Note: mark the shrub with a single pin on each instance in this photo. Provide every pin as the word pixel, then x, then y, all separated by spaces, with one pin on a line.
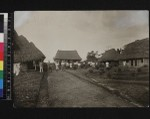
pixel 119 69
pixel 97 67
pixel 75 67
pixel 101 71
pixel 109 75
pixel 120 72
pixel 139 70
pixel 87 66
pixel 133 74
pixel 93 70
pixel 82 66
pixel 90 70
pixel 145 65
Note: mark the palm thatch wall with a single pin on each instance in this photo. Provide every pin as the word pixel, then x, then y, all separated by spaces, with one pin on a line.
pixel 25 51
pixel 135 50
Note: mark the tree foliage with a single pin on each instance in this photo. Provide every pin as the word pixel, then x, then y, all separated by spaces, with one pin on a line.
pixel 91 56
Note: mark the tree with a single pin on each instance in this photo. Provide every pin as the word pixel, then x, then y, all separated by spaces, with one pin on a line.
pixel 91 56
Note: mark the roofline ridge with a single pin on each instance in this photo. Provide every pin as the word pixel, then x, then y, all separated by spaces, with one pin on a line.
pixel 67 50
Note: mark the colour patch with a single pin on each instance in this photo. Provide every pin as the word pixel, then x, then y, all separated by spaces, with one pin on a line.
pixel 1 37
pixel 1 66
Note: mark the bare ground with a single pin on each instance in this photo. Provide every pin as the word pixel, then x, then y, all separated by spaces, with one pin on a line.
pixel 66 90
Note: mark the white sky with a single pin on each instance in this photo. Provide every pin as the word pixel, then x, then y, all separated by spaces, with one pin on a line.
pixel 81 30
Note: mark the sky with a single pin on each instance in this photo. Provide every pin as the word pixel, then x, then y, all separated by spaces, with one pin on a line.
pixel 83 31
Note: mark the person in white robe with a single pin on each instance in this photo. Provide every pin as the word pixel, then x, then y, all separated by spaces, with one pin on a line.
pixel 41 66
pixel 16 68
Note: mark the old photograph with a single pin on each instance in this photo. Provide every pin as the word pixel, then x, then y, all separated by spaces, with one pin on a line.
pixel 81 59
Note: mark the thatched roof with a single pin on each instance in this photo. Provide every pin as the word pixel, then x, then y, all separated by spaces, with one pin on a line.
pixel 25 51
pixel 39 54
pixel 67 55
pixel 109 55
pixel 16 47
pixel 136 49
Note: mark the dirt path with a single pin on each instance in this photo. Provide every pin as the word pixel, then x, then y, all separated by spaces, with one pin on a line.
pixel 42 100
pixel 135 91
pixel 66 90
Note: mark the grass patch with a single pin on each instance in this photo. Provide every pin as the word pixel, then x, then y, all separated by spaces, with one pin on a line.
pixel 137 90
pixel 26 88
pixel 138 93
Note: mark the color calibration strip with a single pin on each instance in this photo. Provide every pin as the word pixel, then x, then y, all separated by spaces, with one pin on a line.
pixel 1 55
pixel 8 35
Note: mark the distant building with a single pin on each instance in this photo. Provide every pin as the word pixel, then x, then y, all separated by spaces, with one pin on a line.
pixel 67 56
pixel 110 58
pixel 136 53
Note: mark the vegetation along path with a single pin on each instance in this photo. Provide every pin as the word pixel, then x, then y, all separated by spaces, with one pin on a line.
pixel 42 100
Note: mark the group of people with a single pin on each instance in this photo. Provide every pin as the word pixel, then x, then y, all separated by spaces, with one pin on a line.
pixel 58 65
pixel 92 64
pixel 63 65
pixel 40 65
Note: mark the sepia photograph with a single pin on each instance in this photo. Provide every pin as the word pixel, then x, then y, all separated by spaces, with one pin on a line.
pixel 81 59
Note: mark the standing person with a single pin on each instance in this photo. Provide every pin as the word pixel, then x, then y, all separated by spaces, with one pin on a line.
pixel 57 66
pixel 107 65
pixel 92 64
pixel 62 65
pixel 41 66
pixel 49 66
pixel 67 65
pixel 124 63
pixel 16 68
pixel 79 64
pixel 70 65
pixel 34 64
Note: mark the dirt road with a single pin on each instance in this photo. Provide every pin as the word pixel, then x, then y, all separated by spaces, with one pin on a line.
pixel 66 90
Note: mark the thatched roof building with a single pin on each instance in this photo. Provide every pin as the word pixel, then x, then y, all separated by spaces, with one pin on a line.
pixel 67 55
pixel 136 50
pixel 25 51
pixel 39 54
pixel 109 55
